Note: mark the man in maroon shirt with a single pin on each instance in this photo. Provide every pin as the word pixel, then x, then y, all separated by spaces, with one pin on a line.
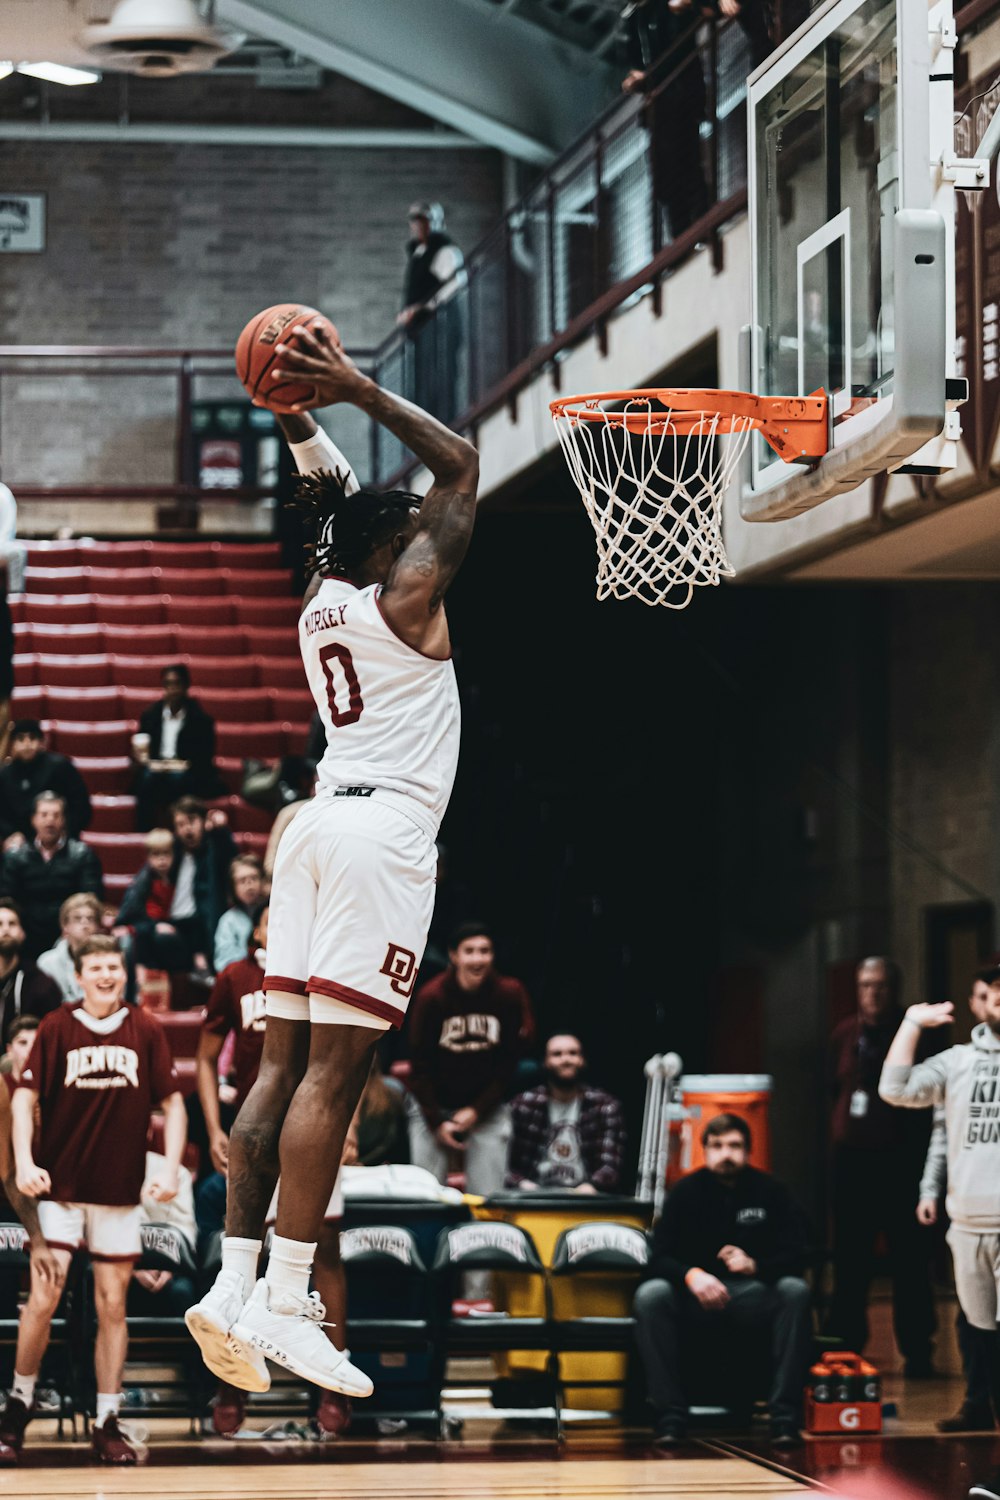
pixel 236 1008
pixel 464 1046
pixel 878 1156
pixel 96 1072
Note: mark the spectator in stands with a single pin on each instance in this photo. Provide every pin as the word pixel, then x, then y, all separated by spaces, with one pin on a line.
pixel 664 32
pixel 432 313
pixel 48 870
pixel 976 1411
pixel 963 1079
pixel 465 1037
pixel 565 1133
pixel 33 769
pixel 24 990
pixel 878 1156
pixel 90 1169
pixel 234 928
pixel 380 1123
pixel 79 919
pixel 20 1040
pixel 179 756
pixel 728 1251
pixel 203 851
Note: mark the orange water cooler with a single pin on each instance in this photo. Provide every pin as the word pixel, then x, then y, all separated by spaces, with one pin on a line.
pixel 705 1095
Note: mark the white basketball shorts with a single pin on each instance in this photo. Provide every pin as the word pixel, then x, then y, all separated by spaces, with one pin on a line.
pixel 334 1209
pixel 108 1232
pixel 351 902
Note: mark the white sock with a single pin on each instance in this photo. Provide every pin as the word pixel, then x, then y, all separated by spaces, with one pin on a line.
pixel 24 1387
pixel 107 1406
pixel 241 1256
pixel 289 1265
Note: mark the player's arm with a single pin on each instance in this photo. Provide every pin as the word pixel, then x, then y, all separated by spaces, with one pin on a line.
pixel 207 1071
pixel 313 449
pixel 43 1259
pixel 32 1181
pixel 413 596
pixel 163 1186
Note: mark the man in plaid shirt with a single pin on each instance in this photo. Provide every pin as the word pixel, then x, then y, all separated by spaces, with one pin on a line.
pixel 567 1136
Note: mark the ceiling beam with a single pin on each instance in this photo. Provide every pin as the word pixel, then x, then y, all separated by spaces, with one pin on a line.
pixel 330 137
pixel 496 78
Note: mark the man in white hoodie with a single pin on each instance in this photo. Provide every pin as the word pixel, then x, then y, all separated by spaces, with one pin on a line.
pixel 966 1081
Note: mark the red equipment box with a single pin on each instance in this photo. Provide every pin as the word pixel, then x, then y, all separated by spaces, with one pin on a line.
pixel 844 1394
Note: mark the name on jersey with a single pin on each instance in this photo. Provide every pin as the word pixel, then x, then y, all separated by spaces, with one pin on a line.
pixel 325 619
pixel 120 1062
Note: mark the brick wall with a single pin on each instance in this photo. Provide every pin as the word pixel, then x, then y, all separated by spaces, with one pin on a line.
pixel 179 245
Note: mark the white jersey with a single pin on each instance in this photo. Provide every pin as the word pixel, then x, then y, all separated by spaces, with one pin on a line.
pixel 392 715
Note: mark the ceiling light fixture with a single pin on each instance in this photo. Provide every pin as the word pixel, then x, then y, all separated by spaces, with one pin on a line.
pixel 57 73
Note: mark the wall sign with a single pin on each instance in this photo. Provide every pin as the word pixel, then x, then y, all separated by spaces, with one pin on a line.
pixel 22 222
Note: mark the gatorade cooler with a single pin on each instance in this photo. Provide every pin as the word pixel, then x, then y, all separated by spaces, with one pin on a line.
pixel 844 1394
pixel 704 1095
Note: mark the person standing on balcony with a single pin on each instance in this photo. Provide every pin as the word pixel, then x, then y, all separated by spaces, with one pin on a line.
pixel 432 313
pixel 663 61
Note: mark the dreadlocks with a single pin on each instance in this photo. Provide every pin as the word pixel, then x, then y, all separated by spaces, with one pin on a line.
pixel 346 529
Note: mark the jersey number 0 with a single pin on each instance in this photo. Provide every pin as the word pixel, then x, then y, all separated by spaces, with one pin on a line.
pixel 343 690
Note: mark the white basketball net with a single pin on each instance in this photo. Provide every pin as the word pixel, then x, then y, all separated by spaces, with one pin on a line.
pixel 653 495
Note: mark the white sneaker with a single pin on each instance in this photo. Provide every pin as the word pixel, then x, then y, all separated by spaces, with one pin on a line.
pixel 289 1330
pixel 210 1324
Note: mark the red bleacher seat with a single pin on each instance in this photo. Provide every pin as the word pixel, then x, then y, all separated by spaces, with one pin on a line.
pixel 130 609
pixel 25 666
pixel 269 641
pixel 281 671
pixel 73 671
pixel 92 704
pixel 141 672
pixel 290 703
pixel 108 775
pixel 230 769
pixel 110 738
pixel 296 737
pixel 115 886
pixel 131 581
pixel 135 699
pixel 243 816
pixel 271 612
pixel 43 609
pixel 119 555
pixel 251 843
pixel 265 741
pixel 112 814
pixel 182 555
pixel 182 1028
pixel 56 581
pixel 53 555
pixel 221 672
pixel 199 612
pixel 59 640
pixel 260 583
pixel 129 640
pixel 28 702
pixel 247 554
pixel 119 853
pixel 204 582
pixel 192 639
pixel 234 705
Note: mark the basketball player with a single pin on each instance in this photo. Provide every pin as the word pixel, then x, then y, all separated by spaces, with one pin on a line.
pixel 96 1072
pixel 353 888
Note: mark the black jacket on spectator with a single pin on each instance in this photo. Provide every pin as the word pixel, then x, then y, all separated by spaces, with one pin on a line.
pixel 211 883
pixel 754 1212
pixel 21 782
pixel 40 886
pixel 26 991
pixel 195 743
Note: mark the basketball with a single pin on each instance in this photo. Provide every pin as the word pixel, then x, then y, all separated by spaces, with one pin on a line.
pixel 256 354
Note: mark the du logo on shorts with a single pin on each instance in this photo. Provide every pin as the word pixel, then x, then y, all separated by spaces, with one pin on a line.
pixel 401 966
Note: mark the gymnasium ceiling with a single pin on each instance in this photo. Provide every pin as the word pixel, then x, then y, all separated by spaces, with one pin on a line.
pixel 524 77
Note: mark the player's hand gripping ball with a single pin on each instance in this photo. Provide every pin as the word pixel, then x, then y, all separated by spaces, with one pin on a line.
pixel 256 353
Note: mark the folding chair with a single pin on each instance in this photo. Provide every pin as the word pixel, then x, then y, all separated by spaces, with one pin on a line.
pixel 595 1266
